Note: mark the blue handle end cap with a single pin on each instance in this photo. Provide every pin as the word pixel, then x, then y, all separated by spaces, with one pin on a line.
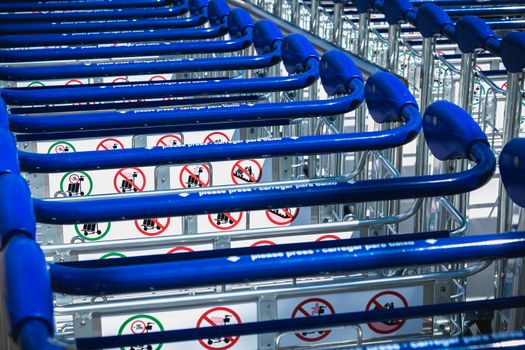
pixel 296 51
pixel 431 19
pixel 396 10
pixel 512 51
pixel 238 21
pixel 386 96
pixel 472 33
pixel 265 34
pixel 217 11
pixel 336 71
pixel 196 7
pixel 364 6
pixel 512 170
pixel 450 132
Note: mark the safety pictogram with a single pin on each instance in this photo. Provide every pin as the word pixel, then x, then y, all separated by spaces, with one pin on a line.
pixel 219 316
pixel 74 82
pixel 225 221
pixel 169 140
pixel 388 299
pixel 216 137
pixel 246 171
pixel 328 238
pixel 141 324
pixel 108 144
pixel 181 249
pixel 282 216
pixel 313 307
pixel 77 183
pixel 93 231
pixel 129 180
pixel 112 255
pixel 61 147
pixel 36 83
pixel 153 226
pixel 263 242
pixel 195 176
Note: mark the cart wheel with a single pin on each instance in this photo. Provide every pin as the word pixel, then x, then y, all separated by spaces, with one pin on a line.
pixel 99 232
pixel 81 193
pixel 145 227
pixel 226 340
pixel 134 190
pixel 158 227
pixel 210 342
pixel 70 194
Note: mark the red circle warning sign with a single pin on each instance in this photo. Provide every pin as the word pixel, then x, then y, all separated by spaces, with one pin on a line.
pixel 120 80
pixel 328 238
pixel 181 249
pixel 129 180
pixel 225 221
pixel 153 226
pixel 216 137
pixel 169 140
pixel 219 316
pixel 157 78
pixel 110 143
pixel 74 179
pixel 388 299
pixel 74 82
pixel 313 307
pixel 195 176
pixel 263 242
pixel 246 171
pixel 282 216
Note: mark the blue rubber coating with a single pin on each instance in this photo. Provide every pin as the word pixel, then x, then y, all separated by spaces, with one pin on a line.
pixel 472 33
pixel 238 22
pixel 395 11
pixel 34 335
pixel 363 6
pixel 217 11
pixel 431 19
pixel 8 159
pixel 265 35
pixel 296 52
pixel 512 170
pixel 197 6
pixel 28 293
pixel 512 51
pixel 15 196
pixel 386 97
pixel 450 131
pixel 337 70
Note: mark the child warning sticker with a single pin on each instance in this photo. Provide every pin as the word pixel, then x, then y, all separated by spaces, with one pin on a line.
pixel 93 231
pixel 198 175
pixel 388 299
pixel 76 183
pixel 109 144
pixel 246 171
pixel 282 216
pixel 225 221
pixel 141 324
pixel 219 316
pixel 129 180
pixel 313 307
pixel 216 137
pixel 152 226
pixel 169 140
pixel 61 147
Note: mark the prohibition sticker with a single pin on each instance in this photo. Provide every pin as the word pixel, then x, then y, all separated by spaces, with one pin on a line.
pixel 169 140
pixel 282 216
pixel 112 255
pixel 388 299
pixel 218 316
pixel 141 324
pixel 153 226
pixel 225 221
pixel 92 231
pixel 109 144
pixel 328 238
pixel 181 249
pixel 262 242
pixel 216 137
pixel 313 307
pixel 246 171
pixel 77 183
pixel 195 176
pixel 157 78
pixel 35 83
pixel 129 180
pixel 61 147
pixel 74 82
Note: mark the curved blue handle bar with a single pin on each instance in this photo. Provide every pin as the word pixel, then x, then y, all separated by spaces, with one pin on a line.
pixel 512 169
pixel 147 49
pixel 118 24
pixel 76 5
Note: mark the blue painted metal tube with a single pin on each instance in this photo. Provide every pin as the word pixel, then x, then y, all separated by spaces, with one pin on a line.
pixel 169 204
pixel 76 5
pixel 136 276
pixel 492 11
pixel 465 2
pixel 314 323
pixel 511 24
pixel 117 24
pixel 146 49
pixel 34 335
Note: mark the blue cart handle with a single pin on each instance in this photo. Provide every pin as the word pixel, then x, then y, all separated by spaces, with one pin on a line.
pixel 20 6
pixel 299 57
pixel 217 29
pixel 512 170
pixel 451 134
pixel 267 39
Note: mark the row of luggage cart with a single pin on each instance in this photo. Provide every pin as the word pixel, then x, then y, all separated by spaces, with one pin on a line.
pixel 229 175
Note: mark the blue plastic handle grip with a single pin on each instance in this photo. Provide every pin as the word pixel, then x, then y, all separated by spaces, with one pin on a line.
pixel 431 19
pixel 512 50
pixel 512 169
pixel 76 5
pixel 472 33
pixel 396 10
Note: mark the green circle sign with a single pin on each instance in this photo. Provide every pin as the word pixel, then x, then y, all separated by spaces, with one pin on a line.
pixel 36 83
pixel 112 255
pixel 140 324
pixel 71 184
pixel 92 229
pixel 61 147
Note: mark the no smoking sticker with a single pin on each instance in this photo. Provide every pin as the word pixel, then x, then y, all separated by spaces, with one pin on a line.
pixel 219 316
pixel 225 221
pixel 93 231
pixel 61 147
pixel 313 307
pixel 153 226
pixel 246 171
pixel 141 324
pixel 77 183
pixel 195 176
pixel 129 180
pixel 282 216
pixel 170 140
pixel 109 144
pixel 216 137
pixel 386 300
